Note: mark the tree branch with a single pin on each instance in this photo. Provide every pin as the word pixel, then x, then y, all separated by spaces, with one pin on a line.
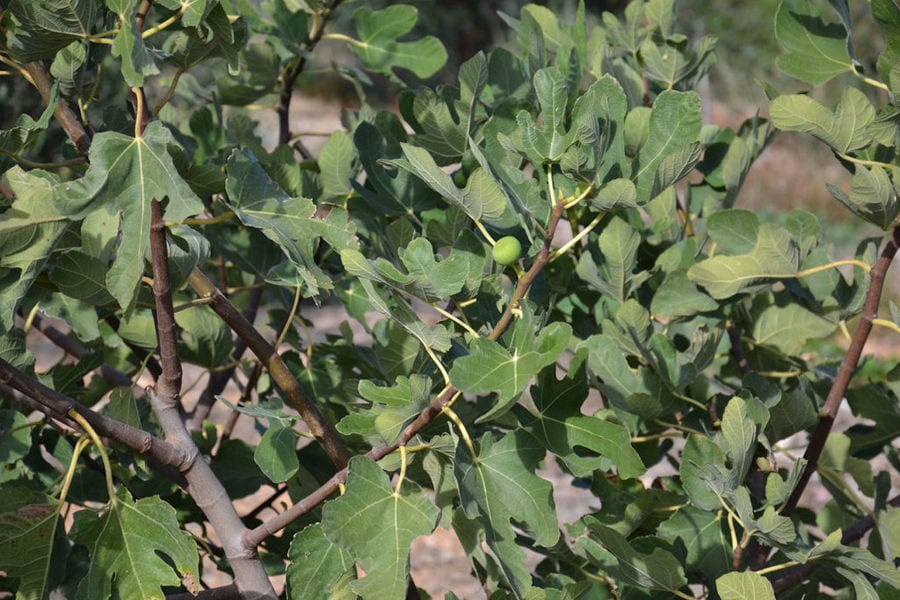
pixel 323 430
pixel 797 575
pixel 290 74
pixel 64 115
pixel 203 485
pixel 282 520
pixel 76 349
pixel 846 370
pixel 57 406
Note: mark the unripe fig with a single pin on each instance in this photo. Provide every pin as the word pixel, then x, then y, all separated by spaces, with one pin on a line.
pixel 507 250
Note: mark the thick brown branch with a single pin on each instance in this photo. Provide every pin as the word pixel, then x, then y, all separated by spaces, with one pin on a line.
pixel 282 520
pixel 205 488
pixel 56 405
pixel 323 430
pixel 846 370
pixel 64 115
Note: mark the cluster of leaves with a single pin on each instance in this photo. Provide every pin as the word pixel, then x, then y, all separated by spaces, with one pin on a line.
pixel 667 328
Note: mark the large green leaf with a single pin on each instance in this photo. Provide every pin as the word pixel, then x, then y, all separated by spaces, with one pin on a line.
pixel 336 167
pixel 789 327
pixel 379 50
pixel 481 199
pixel 499 485
pixel 708 550
pixel 276 452
pixel 316 564
pixel 29 232
pixel 28 522
pixel 560 426
pixel 613 274
pixel 492 368
pixel 774 256
pixel 444 120
pixel 41 29
pixel 675 120
pixel 425 277
pixel 744 585
pixel 549 139
pixel 816 51
pixel 376 526
pixel 137 59
pixel 126 173
pixel 872 196
pixel 845 130
pixel 126 543
pixel 290 222
pixel 16 139
pixel 392 408
pixel 656 570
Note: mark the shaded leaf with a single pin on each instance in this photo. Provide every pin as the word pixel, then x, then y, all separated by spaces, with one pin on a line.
pixel 29 232
pixel 123 542
pixel 290 222
pixel 816 51
pixel 316 564
pixel 276 452
pixel 658 570
pixel 570 435
pixel 28 522
pixel 872 197
pixel 41 29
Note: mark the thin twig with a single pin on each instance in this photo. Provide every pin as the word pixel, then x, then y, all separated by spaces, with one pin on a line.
pixel 290 74
pixel 854 532
pixel 73 127
pixel 57 406
pixel 76 349
pixel 846 370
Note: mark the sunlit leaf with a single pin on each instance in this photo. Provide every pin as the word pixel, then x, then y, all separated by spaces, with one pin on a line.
pixel 125 174
pixel 774 256
pixel 379 50
pixel 744 585
pixel 492 368
pixel 499 485
pixel 376 526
